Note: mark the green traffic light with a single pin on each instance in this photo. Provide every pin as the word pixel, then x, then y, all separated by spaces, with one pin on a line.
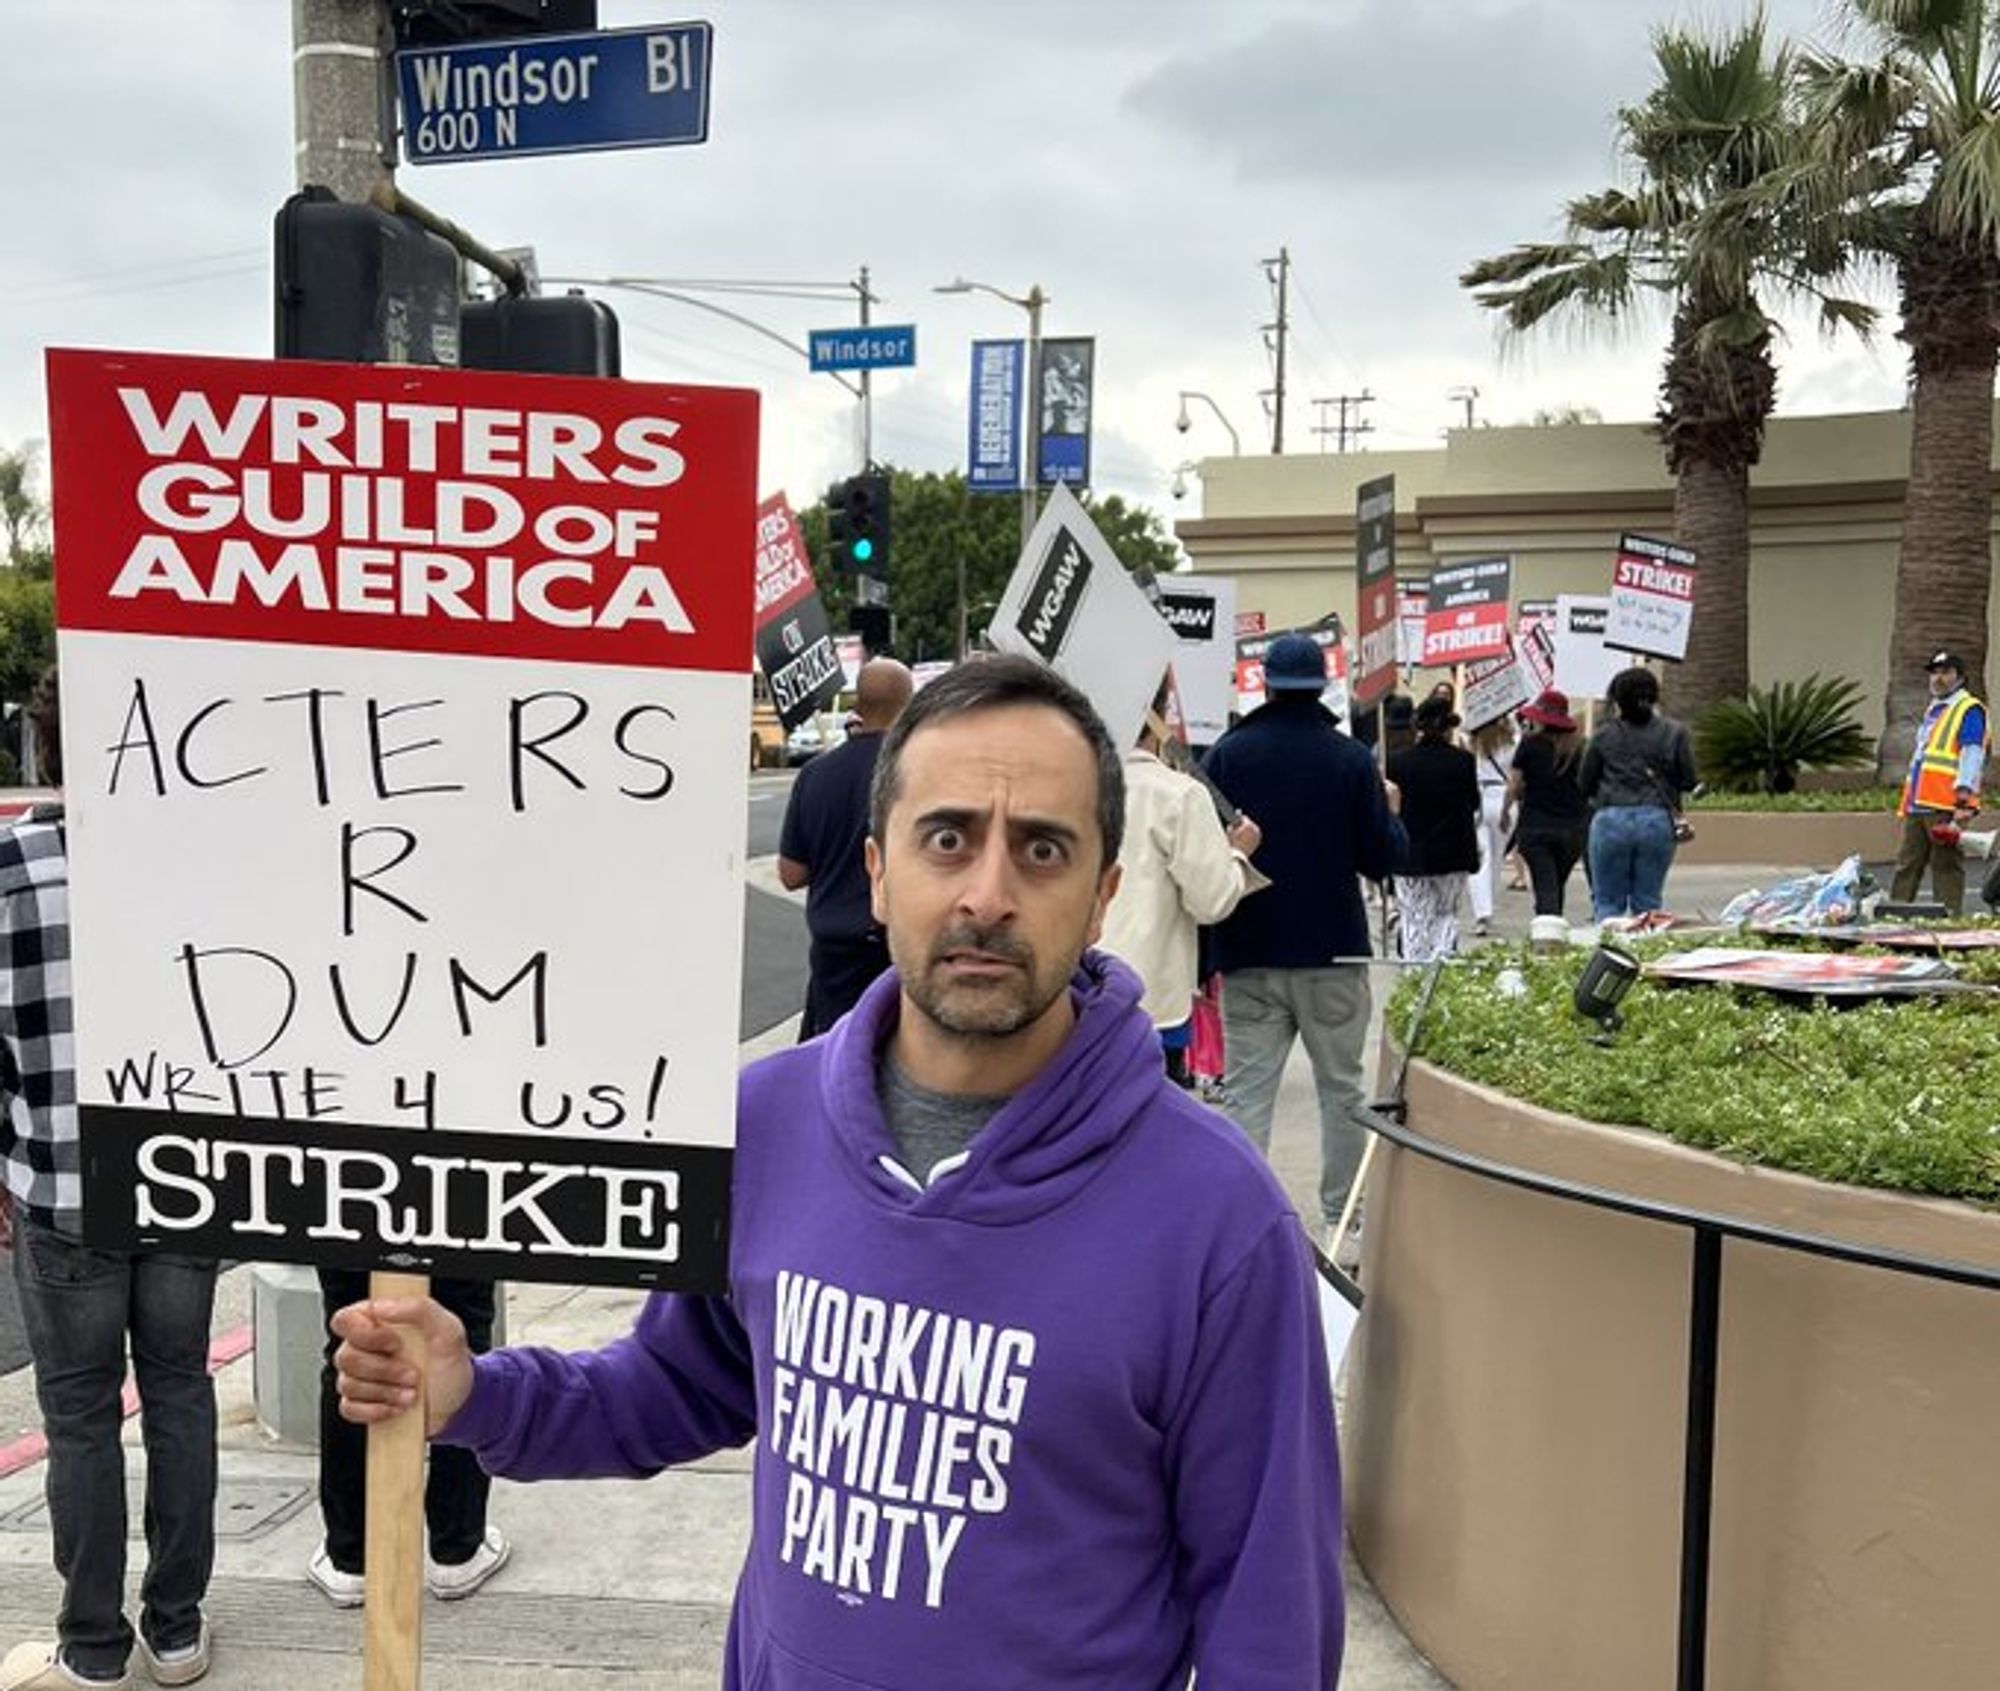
pixel 862 550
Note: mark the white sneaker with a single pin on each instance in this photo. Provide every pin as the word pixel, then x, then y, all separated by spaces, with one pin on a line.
pixel 450 1581
pixel 40 1667
pixel 343 1590
pixel 178 1667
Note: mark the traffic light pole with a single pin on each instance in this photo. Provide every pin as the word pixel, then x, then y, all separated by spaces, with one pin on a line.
pixel 338 95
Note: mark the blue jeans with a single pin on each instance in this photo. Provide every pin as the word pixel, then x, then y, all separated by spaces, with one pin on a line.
pixel 1263 1010
pixel 1631 848
pixel 79 1305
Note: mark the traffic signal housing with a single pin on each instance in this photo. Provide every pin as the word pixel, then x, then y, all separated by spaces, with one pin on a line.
pixel 556 336
pixel 357 285
pixel 857 523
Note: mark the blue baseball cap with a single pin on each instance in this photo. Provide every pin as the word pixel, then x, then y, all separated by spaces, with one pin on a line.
pixel 1295 664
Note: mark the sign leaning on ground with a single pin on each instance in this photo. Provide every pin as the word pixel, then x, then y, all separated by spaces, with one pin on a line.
pixel 1652 597
pixel 1072 604
pixel 405 710
pixel 795 646
pixel 528 95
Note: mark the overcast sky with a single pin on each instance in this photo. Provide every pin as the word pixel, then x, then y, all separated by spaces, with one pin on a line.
pixel 1135 158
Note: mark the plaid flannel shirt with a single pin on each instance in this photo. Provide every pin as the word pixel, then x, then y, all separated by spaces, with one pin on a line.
pixel 38 1124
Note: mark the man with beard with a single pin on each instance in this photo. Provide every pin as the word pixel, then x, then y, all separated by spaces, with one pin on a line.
pixel 1026 1337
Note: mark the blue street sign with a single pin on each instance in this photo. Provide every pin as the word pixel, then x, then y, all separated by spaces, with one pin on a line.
pixel 883 346
pixel 556 94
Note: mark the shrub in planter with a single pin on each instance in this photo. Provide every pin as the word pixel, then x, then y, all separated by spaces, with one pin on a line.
pixel 1760 742
pixel 1903 1094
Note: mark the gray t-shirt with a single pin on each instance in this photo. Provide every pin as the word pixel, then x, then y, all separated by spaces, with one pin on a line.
pixel 928 1126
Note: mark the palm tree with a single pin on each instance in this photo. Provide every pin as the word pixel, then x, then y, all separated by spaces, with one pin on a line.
pixel 1719 210
pixel 1926 110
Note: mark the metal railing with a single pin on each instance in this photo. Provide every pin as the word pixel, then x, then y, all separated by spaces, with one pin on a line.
pixel 1709 1231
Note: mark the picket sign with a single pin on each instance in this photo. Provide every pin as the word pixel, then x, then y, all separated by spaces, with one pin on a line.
pixel 361 652
pixel 1073 605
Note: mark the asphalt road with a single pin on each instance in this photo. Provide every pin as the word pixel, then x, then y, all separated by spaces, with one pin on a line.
pixel 774 987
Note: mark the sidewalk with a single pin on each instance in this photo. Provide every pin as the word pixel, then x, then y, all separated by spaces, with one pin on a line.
pixel 612 1583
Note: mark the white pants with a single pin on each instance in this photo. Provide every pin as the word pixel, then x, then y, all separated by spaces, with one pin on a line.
pixel 1492 848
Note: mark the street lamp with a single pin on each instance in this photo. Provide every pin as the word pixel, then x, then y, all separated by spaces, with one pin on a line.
pixel 1031 302
pixel 1184 422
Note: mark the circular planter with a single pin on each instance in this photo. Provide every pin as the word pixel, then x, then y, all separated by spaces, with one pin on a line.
pixel 1515 1417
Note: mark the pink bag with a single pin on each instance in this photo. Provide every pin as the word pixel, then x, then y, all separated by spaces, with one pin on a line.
pixel 1205 1045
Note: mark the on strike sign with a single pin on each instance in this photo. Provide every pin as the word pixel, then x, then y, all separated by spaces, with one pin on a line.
pixel 794 644
pixel 1466 613
pixel 1652 597
pixel 405 711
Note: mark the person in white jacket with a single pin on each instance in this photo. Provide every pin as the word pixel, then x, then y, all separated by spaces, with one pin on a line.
pixel 1183 868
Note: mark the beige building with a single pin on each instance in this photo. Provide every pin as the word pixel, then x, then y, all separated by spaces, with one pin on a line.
pixel 1826 506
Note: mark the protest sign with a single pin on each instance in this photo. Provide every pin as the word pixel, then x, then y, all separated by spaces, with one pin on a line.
pixel 1327 634
pixel 1375 587
pixel 1531 613
pixel 1584 664
pixel 1652 597
pixel 1201 610
pixel 1072 604
pixel 1412 606
pixel 1493 688
pixel 795 646
pixel 405 711
pixel 1250 692
pixel 1465 615
pixel 1249 623
pixel 1535 646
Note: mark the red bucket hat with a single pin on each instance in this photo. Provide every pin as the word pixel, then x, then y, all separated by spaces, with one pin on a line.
pixel 1551 710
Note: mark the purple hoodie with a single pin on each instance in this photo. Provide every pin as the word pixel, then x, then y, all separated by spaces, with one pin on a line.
pixel 1060 1420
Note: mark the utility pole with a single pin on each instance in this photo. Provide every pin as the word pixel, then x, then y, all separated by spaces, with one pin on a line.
pixel 1348 404
pixel 1468 397
pixel 339 133
pixel 1322 428
pixel 1277 271
pixel 341 127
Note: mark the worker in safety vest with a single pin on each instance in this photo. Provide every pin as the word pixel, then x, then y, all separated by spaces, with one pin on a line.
pixel 1941 791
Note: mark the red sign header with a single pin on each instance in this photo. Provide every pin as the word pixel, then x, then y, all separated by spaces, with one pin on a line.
pixel 404 508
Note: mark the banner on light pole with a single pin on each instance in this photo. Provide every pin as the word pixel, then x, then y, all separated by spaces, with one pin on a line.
pixel 1066 374
pixel 993 432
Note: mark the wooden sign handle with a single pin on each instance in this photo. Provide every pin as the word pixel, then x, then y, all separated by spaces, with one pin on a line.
pixel 393 1622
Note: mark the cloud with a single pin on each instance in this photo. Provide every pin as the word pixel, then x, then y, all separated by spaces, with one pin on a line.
pixel 1401 96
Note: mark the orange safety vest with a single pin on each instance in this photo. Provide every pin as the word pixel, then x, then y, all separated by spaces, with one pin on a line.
pixel 1932 782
